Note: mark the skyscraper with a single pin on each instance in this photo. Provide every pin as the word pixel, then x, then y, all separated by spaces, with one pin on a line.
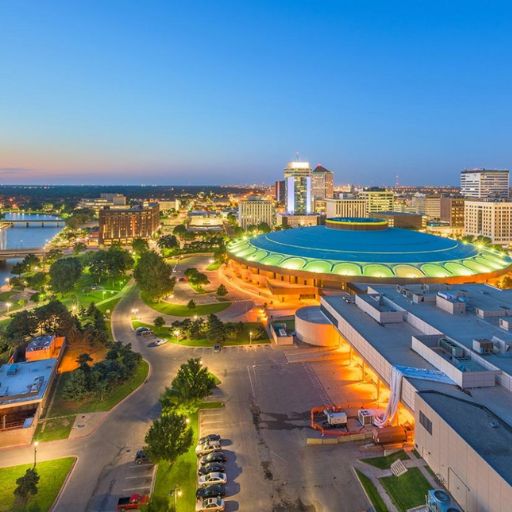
pixel 299 199
pixel 323 183
pixel 279 191
pixel 484 183
pixel 379 199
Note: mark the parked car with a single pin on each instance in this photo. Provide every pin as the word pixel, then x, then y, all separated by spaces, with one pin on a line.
pixel 212 478
pixel 213 457
pixel 203 449
pixel 209 438
pixel 210 504
pixel 143 331
pixel 133 502
pixel 217 347
pixel 211 491
pixel 159 341
pixel 214 467
pixel 141 457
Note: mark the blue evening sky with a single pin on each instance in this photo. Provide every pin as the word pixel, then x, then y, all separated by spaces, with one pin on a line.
pixel 204 92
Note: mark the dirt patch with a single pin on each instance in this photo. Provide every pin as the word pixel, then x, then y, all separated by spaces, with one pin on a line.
pixel 297 506
pixel 73 350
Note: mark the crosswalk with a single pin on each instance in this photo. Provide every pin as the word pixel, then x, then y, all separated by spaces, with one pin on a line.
pixel 233 348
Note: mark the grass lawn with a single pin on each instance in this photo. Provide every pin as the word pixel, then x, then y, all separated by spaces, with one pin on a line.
pixel 183 474
pixel 182 309
pixel 406 491
pixel 386 461
pixel 214 266
pixel 52 476
pixel 168 334
pixel 63 407
pixel 54 428
pixel 371 491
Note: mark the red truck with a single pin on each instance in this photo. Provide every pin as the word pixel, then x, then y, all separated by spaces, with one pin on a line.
pixel 133 502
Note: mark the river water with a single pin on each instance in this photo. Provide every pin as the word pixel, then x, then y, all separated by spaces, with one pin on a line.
pixel 18 237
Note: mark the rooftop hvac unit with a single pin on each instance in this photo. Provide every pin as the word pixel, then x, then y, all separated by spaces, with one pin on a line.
pixel 451 348
pixel 439 500
pixel 483 346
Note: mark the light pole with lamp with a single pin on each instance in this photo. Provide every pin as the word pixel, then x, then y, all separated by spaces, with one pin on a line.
pixel 36 444
pixel 250 338
pixel 8 306
pixel 177 334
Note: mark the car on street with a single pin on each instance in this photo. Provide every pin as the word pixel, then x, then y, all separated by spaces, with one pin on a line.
pixel 159 341
pixel 143 331
pixel 203 449
pixel 209 438
pixel 141 457
pixel 214 467
pixel 213 457
pixel 210 504
pixel 217 347
pixel 212 478
pixel 133 502
pixel 211 491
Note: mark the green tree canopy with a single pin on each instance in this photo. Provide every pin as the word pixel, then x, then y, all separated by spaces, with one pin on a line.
pixel 159 321
pixel 64 274
pixel 153 275
pixel 167 242
pixel 140 246
pixel 26 486
pixel 168 438
pixel 222 291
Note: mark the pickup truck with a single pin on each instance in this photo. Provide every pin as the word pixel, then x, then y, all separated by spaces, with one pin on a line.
pixel 133 502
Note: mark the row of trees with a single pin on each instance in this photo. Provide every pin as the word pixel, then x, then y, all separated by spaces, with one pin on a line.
pixel 119 365
pixel 54 317
pixel 170 435
pixel 213 329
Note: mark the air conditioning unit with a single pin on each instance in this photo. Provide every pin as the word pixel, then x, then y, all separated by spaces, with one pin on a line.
pixel 365 416
pixel 438 500
pixel 483 346
pixel 451 348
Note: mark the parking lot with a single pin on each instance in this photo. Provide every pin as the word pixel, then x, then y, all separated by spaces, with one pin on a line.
pixel 265 424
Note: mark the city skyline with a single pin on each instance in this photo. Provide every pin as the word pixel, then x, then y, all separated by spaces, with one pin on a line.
pixel 172 94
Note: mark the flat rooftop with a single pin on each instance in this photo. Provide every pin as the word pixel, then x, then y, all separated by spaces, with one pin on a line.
pixel 25 382
pixel 466 327
pixel 312 314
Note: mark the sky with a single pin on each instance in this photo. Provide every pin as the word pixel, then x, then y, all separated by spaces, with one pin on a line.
pixel 221 92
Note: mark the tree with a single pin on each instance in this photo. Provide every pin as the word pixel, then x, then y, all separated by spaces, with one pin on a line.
pixel 64 274
pixel 153 275
pixel 192 382
pixel 53 255
pixel 191 304
pixel 110 264
pixel 180 230
pixel 79 247
pixel 159 321
pixel 167 242
pixel 222 291
pixel 168 438
pixel 22 325
pixel 26 485
pixel 140 246
pixel 37 280
pixel 263 227
pixel 215 329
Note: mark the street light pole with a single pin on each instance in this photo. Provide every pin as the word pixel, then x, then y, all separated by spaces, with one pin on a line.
pixel 36 444
pixel 250 338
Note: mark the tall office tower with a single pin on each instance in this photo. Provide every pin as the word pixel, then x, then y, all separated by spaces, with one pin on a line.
pixel 492 219
pixel 279 191
pixel 452 211
pixel 323 183
pixel 299 199
pixel 254 210
pixel 484 183
pixel 378 199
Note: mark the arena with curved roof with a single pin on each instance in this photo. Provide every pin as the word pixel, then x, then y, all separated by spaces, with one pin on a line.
pixel 347 249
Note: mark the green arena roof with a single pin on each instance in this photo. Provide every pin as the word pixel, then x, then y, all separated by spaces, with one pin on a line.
pixel 386 253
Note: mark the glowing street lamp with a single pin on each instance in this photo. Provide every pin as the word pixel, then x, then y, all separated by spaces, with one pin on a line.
pixel 8 306
pixel 177 333
pixel 135 311
pixel 250 337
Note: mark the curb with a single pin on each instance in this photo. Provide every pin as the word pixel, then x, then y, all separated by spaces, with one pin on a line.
pixel 63 486
pixel 372 508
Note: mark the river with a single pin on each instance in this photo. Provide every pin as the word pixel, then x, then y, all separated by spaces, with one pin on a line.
pixel 17 237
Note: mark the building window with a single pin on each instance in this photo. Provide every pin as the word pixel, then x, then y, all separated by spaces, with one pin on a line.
pixel 426 423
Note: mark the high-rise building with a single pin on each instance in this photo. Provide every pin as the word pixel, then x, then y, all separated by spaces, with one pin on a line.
pixel 492 219
pixel 323 183
pixel 299 198
pixel 280 191
pixel 128 224
pixel 452 211
pixel 378 199
pixel 484 183
pixel 346 207
pixel 254 210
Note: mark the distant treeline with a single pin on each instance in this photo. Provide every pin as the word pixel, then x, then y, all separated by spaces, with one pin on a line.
pixel 32 196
